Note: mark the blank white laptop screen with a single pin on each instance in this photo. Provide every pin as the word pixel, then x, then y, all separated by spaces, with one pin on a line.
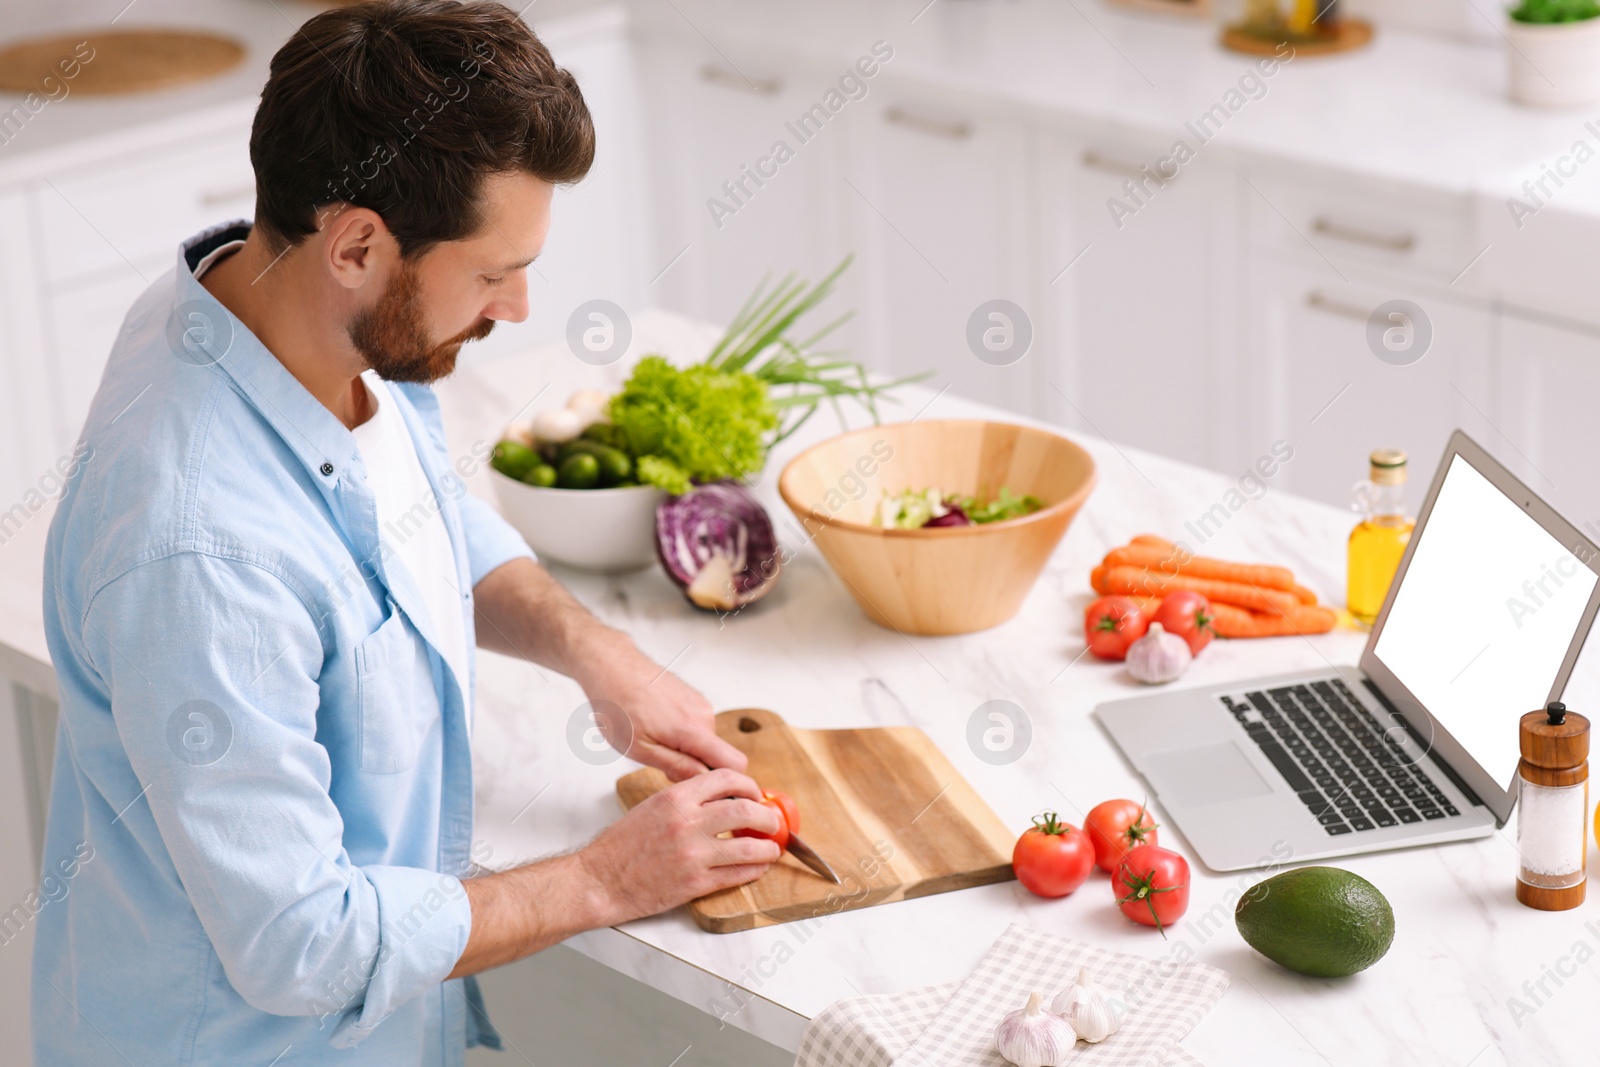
pixel 1484 617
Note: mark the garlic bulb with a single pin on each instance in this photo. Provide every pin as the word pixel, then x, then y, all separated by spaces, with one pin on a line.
pixel 1093 1013
pixel 557 426
pixel 1158 657
pixel 1033 1037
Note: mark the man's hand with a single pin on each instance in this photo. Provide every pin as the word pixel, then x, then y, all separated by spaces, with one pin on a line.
pixel 664 723
pixel 663 853
pixel 524 612
pixel 666 851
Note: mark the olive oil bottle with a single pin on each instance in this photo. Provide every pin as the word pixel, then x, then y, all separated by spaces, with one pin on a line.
pixel 1380 539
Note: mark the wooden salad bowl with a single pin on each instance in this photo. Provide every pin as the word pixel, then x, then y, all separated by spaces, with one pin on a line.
pixel 950 580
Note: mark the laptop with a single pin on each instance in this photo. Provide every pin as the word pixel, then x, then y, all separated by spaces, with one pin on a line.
pixel 1418 745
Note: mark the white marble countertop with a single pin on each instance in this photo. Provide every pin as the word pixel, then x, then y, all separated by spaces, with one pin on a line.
pixel 1463 945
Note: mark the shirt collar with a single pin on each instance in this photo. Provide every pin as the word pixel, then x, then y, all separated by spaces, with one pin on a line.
pixel 210 335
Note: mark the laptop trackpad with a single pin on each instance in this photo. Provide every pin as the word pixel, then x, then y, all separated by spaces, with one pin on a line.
pixel 1205 774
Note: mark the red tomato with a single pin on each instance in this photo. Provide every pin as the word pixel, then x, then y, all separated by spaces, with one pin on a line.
pixel 1115 827
pixel 1187 614
pixel 1152 886
pixel 1111 624
pixel 788 818
pixel 1052 858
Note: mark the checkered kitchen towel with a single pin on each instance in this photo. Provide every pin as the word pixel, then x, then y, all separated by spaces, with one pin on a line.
pixel 945 1025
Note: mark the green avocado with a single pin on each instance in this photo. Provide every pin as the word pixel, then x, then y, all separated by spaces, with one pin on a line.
pixel 1320 921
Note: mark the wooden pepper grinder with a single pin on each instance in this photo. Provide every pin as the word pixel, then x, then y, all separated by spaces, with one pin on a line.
pixel 1553 808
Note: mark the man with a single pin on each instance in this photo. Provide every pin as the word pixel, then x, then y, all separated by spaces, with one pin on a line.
pixel 262 798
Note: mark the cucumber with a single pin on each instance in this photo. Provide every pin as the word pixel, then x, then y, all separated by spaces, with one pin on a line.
pixel 578 471
pixel 614 464
pixel 542 475
pixel 513 459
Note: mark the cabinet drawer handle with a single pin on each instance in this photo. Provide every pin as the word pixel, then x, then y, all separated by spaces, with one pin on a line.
pixel 729 78
pixel 950 129
pixel 213 197
pixel 1111 165
pixel 1389 242
pixel 1319 302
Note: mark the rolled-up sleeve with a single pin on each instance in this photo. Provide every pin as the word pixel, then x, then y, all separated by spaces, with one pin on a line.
pixel 212 666
pixel 491 540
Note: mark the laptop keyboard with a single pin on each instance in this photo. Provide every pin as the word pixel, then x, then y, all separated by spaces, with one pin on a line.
pixel 1333 752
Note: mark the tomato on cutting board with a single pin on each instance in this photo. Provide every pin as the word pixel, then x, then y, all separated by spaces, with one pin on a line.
pixel 788 818
pixel 1116 826
pixel 1111 624
pixel 1052 858
pixel 1187 614
pixel 1152 886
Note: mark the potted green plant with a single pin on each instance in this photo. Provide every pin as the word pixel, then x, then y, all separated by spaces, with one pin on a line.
pixel 1554 52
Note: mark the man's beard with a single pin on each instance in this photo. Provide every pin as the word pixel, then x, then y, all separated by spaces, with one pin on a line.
pixel 390 335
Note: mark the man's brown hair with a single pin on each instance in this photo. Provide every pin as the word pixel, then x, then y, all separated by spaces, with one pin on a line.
pixel 404 107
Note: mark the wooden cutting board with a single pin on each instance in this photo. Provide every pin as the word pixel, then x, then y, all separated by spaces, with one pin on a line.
pixel 882 805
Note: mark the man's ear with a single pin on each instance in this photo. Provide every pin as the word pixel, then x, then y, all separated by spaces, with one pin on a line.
pixel 357 247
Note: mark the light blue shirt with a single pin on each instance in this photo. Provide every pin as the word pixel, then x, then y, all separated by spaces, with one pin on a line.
pixel 262 793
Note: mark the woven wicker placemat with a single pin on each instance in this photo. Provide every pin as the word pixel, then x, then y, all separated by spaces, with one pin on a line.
pixel 115 61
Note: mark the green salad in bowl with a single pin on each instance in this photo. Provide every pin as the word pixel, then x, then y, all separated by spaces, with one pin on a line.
pixel 917 509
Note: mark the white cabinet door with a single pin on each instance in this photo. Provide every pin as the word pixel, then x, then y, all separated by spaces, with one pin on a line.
pixel 1323 388
pixel 27 425
pixel 1141 302
pixel 82 323
pixel 941 197
pixel 1549 382
pixel 739 189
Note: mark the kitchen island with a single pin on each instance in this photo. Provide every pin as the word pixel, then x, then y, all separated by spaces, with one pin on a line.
pixel 1463 947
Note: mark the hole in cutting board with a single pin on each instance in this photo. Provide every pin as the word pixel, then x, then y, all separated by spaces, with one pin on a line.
pixel 747 725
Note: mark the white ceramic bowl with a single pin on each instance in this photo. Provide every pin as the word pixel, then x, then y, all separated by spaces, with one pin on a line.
pixel 593 529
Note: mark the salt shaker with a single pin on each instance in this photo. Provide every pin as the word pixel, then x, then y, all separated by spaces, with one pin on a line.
pixel 1553 808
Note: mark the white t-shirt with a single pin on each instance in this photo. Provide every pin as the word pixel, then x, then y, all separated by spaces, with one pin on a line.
pixel 409 522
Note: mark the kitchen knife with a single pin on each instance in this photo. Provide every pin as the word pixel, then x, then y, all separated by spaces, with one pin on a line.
pixel 808 856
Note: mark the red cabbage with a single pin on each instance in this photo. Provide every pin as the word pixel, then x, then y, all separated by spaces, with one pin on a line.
pixel 717 543
pixel 953 517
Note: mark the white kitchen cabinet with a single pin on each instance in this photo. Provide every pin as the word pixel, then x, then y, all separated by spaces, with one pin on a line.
pixel 127 214
pixel 739 188
pixel 943 198
pixel 27 429
pixel 81 324
pixel 1548 385
pixel 1317 385
pixel 1354 224
pixel 1141 304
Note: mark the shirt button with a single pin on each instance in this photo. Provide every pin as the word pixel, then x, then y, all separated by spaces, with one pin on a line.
pixel 327 469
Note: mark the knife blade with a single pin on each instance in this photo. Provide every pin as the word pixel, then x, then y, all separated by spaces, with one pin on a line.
pixel 808 856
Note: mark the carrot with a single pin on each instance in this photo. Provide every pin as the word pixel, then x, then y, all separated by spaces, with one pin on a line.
pixel 1169 563
pixel 1153 541
pixel 1097 580
pixel 1234 622
pixel 1135 582
pixel 1306 596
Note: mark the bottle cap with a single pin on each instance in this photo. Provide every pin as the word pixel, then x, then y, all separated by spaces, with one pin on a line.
pixel 1388 467
pixel 1554 738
